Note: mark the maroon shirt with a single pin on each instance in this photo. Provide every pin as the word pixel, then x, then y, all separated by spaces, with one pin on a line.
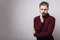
pixel 46 28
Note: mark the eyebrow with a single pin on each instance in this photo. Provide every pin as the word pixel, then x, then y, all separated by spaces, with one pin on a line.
pixel 43 9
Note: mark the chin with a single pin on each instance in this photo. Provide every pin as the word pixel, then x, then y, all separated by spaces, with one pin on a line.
pixel 44 15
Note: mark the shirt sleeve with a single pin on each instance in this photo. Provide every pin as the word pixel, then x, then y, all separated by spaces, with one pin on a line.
pixel 37 25
pixel 49 30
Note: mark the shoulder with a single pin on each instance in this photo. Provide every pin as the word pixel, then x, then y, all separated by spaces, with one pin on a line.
pixel 36 18
pixel 51 18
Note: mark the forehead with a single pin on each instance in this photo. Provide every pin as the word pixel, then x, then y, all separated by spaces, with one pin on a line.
pixel 43 7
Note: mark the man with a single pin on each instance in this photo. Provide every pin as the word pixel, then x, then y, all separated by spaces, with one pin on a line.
pixel 44 23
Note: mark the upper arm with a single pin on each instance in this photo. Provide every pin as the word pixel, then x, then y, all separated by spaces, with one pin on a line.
pixel 51 26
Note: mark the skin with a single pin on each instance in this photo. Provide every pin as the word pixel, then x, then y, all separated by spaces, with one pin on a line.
pixel 43 10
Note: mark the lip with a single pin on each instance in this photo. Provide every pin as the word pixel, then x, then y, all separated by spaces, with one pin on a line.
pixel 44 13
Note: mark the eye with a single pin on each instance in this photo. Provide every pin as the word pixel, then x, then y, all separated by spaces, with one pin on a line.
pixel 41 9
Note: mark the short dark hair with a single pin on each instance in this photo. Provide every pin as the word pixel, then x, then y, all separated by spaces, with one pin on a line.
pixel 44 3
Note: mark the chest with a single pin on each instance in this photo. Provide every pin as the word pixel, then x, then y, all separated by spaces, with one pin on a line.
pixel 45 26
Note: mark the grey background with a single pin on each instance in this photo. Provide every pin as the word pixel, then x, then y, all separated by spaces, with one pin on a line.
pixel 16 18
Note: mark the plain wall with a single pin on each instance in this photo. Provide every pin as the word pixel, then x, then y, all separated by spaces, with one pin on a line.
pixel 16 18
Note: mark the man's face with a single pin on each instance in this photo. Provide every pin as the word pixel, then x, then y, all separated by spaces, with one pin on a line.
pixel 43 10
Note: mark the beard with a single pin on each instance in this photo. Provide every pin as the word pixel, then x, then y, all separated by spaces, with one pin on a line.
pixel 44 15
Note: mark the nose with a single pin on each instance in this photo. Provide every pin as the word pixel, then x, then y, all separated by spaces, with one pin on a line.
pixel 43 10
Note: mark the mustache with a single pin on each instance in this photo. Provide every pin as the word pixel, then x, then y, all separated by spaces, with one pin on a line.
pixel 44 13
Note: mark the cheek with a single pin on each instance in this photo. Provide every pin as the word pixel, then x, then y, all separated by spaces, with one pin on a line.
pixel 46 11
pixel 41 11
